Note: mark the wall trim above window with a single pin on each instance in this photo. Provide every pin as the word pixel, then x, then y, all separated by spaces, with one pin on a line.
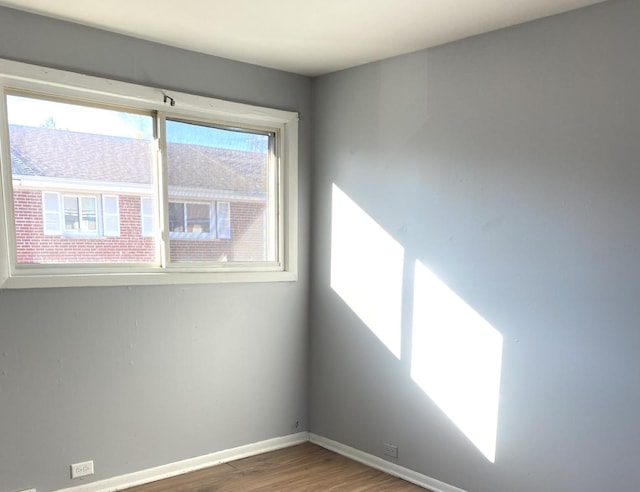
pixel 116 200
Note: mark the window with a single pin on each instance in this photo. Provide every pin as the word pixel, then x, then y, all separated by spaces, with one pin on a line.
pixel 85 164
pixel 210 172
pixel 78 215
pixel 106 183
pixel 190 220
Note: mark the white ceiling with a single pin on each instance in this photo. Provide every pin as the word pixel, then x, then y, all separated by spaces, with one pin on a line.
pixel 300 36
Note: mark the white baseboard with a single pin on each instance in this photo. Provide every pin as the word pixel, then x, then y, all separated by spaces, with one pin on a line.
pixel 384 465
pixel 188 465
pixel 185 466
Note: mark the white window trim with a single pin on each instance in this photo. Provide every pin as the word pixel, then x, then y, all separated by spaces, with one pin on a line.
pixel 26 77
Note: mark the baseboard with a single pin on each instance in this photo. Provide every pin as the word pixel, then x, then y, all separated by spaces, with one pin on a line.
pixel 185 466
pixel 188 465
pixel 383 465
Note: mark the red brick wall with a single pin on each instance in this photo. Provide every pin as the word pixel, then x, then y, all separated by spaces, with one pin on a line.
pixel 246 243
pixel 33 246
pixel 250 235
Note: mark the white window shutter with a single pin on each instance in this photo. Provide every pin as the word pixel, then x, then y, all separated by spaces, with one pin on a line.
pixel 223 222
pixel 51 213
pixel 147 216
pixel 110 215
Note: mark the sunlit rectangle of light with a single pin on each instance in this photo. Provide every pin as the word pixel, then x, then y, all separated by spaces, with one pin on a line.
pixel 366 269
pixel 456 359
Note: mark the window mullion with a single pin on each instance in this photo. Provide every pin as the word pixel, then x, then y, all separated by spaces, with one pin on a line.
pixel 162 192
pixel 185 217
pixel 81 214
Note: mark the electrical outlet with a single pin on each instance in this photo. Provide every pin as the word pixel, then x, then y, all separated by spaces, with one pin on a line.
pixel 82 469
pixel 391 450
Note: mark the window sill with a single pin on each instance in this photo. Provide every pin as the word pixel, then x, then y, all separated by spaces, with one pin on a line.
pixel 78 235
pixel 104 279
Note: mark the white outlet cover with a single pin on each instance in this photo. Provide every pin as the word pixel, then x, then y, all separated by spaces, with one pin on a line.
pixel 82 469
pixel 391 450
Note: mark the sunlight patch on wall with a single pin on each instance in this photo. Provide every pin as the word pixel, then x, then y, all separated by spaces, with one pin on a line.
pixel 366 269
pixel 456 359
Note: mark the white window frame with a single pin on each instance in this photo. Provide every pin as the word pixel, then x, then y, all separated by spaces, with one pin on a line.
pixel 163 104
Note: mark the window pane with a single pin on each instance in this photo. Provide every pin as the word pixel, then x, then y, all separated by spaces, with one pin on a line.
pixel 97 152
pixel 89 212
pixel 176 217
pixel 207 166
pixel 198 217
pixel 71 213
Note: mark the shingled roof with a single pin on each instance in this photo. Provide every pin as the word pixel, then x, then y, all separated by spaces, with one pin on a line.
pixel 213 167
pixel 59 153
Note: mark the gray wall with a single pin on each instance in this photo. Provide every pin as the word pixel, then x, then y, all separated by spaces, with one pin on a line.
pixel 143 376
pixel 508 164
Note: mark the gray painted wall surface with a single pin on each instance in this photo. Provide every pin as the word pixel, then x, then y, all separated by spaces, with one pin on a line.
pixel 509 164
pixel 138 377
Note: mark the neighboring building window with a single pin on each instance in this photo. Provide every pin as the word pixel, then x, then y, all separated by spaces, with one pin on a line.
pixel 190 220
pixel 193 220
pixel 79 215
pixel 206 187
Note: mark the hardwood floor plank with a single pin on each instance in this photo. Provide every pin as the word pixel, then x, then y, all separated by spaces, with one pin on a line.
pixel 303 468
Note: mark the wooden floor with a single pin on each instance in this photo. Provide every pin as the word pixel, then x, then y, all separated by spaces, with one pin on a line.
pixel 301 468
